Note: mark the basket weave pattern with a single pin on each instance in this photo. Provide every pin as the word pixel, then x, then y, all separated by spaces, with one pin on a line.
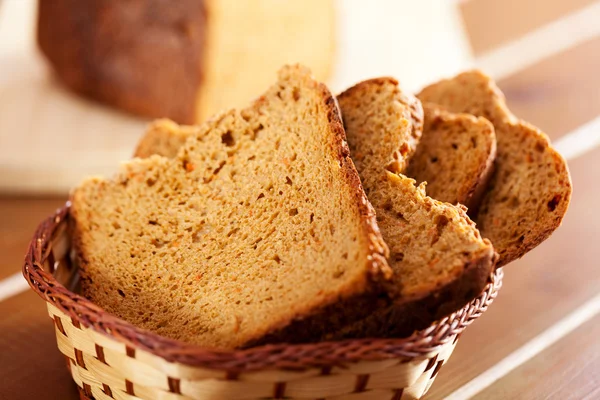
pixel 111 359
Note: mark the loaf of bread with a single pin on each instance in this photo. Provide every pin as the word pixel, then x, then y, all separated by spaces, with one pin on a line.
pixel 530 190
pixel 439 260
pixel 257 230
pixel 182 59
pixel 438 257
pixel 455 156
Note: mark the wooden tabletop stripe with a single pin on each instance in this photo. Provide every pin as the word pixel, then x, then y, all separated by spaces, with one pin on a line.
pixel 542 43
pixel 30 364
pixel 12 285
pixel 491 23
pixel 580 141
pixel 560 93
pixel 529 350
pixel 20 216
pixel 567 370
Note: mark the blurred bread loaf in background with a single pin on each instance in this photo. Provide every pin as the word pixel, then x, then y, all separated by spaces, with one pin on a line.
pixel 182 59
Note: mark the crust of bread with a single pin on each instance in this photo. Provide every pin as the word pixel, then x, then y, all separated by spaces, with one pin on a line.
pixel 401 319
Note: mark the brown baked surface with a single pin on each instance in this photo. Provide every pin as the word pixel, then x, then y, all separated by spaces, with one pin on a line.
pixel 258 227
pixel 530 190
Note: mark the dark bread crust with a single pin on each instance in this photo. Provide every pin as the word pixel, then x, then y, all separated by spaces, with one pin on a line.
pixel 379 250
pixel 401 319
pixel 109 51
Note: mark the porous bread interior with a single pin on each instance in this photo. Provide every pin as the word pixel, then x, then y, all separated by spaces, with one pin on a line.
pixel 454 155
pixel 430 242
pixel 396 138
pixel 259 219
pixel 530 190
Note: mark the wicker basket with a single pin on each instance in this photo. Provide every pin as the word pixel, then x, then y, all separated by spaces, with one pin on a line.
pixel 111 359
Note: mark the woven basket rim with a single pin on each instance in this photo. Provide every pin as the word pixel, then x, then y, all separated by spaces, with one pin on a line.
pixel 275 356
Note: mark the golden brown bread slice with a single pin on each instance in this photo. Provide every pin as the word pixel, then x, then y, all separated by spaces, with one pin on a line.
pixel 399 124
pixel 258 229
pixel 439 260
pixel 530 190
pixel 455 156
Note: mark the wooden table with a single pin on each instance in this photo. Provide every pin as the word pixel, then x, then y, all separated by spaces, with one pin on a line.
pixel 540 339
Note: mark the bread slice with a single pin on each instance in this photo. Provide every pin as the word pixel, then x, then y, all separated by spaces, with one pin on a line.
pixel 455 156
pixel 439 259
pixel 258 230
pixel 399 124
pixel 530 191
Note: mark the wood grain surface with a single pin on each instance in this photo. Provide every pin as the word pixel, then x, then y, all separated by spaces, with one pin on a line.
pixel 490 23
pixel 20 217
pixel 570 369
pixel 31 367
pixel 559 93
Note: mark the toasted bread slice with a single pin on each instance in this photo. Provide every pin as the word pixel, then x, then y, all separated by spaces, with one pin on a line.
pixel 439 260
pixel 455 156
pixel 530 190
pixel 257 230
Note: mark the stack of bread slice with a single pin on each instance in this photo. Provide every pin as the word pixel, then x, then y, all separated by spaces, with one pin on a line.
pixel 278 223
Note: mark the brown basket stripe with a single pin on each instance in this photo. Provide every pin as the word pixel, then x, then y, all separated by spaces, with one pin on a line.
pixel 361 382
pixel 279 390
pixel 438 366
pixel 100 354
pixel 174 385
pixel 107 390
pixel 129 388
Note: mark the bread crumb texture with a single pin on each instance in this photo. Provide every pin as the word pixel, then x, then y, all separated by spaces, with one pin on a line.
pixel 259 220
pixel 455 155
